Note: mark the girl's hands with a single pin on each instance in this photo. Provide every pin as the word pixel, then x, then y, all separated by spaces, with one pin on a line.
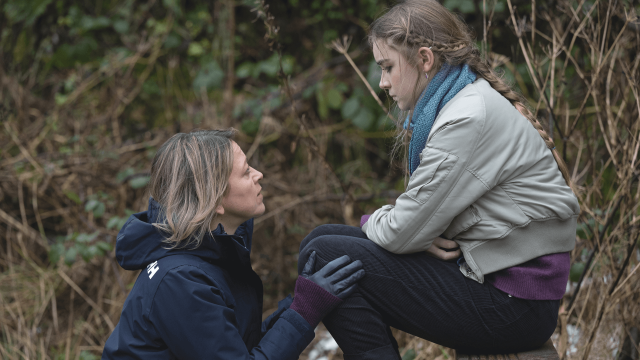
pixel 444 249
pixel 339 277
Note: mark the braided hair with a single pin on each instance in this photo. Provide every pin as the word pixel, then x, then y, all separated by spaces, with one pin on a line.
pixel 413 24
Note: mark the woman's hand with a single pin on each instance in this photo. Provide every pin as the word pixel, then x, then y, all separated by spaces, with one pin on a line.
pixel 318 293
pixel 444 249
pixel 339 277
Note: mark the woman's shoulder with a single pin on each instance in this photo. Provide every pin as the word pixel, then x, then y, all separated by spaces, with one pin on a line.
pixel 179 270
pixel 192 266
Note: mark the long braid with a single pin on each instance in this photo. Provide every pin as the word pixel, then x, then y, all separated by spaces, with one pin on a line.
pixel 417 39
pixel 483 70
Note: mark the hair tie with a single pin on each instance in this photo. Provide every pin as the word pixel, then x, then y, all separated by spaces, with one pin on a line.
pixel 553 148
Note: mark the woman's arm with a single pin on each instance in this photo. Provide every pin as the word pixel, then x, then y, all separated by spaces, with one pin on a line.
pixel 318 292
pixel 195 322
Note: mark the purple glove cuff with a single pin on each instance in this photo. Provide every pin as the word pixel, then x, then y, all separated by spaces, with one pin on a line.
pixel 312 302
pixel 364 219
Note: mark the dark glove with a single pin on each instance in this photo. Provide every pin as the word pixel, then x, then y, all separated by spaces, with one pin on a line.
pixel 338 278
pixel 317 294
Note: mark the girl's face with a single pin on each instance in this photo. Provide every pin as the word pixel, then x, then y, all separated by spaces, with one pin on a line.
pixel 243 200
pixel 398 77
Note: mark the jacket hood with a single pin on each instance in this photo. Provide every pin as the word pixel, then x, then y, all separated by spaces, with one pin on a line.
pixel 139 243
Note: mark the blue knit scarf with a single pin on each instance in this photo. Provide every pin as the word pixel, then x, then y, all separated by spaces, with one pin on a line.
pixel 442 88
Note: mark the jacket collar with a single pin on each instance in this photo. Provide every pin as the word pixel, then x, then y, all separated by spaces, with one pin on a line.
pixel 140 242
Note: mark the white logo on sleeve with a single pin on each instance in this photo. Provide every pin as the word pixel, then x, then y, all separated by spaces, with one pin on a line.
pixel 152 269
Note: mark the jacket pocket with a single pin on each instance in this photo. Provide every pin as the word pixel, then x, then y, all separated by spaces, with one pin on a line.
pixel 433 170
pixel 462 222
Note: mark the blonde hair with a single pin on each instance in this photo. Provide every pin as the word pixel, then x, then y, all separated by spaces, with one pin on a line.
pixel 413 24
pixel 189 177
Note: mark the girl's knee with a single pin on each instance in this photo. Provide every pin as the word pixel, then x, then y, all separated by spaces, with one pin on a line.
pixel 327 248
pixel 331 247
pixel 318 231
pixel 337 230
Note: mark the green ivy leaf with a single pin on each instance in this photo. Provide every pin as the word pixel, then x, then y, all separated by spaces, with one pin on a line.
pixel 68 55
pixel 210 76
pixel 86 238
pixel 89 253
pixel 244 70
pixel 172 41
pixel 364 119
pixel 124 174
pixel 25 10
pixel 99 210
pixel 103 246
pixel 409 355
pixel 71 237
pixel 583 231
pixel 70 255
pixel 55 252
pixel 91 205
pixel 139 182
pixel 121 26
pixel 73 196
pixel 195 49
pixel 113 222
pixel 334 99
pixel 270 66
pixel 287 64
pixel 250 127
pixel 91 23
pixel 173 5
pixel 576 270
pixel 60 99
pixel 350 108
pixel 85 355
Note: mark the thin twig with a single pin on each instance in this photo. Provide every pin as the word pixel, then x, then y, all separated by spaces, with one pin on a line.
pixel 532 71
pixel 343 47
pixel 86 298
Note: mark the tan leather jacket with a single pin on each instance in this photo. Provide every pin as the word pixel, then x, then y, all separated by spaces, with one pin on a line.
pixel 486 180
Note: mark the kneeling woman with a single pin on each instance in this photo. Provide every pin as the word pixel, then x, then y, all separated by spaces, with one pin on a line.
pixel 199 297
pixel 482 178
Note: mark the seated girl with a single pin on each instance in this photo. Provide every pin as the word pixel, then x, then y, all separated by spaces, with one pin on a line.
pixel 197 296
pixel 487 188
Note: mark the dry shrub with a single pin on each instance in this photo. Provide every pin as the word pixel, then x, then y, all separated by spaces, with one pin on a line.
pixel 63 184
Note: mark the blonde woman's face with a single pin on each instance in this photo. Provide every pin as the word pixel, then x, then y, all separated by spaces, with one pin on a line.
pixel 243 200
pixel 398 77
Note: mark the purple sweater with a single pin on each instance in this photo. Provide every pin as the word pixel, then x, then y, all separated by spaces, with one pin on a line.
pixel 542 278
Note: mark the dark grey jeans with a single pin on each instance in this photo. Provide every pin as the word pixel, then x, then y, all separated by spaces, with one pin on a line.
pixel 425 297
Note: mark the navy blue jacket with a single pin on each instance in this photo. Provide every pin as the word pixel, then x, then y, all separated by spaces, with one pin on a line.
pixel 203 303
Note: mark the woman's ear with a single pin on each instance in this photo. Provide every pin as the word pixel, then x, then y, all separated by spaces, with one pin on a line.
pixel 220 210
pixel 426 59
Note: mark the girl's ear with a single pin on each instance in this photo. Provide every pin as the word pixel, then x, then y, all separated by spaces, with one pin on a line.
pixel 220 210
pixel 426 59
